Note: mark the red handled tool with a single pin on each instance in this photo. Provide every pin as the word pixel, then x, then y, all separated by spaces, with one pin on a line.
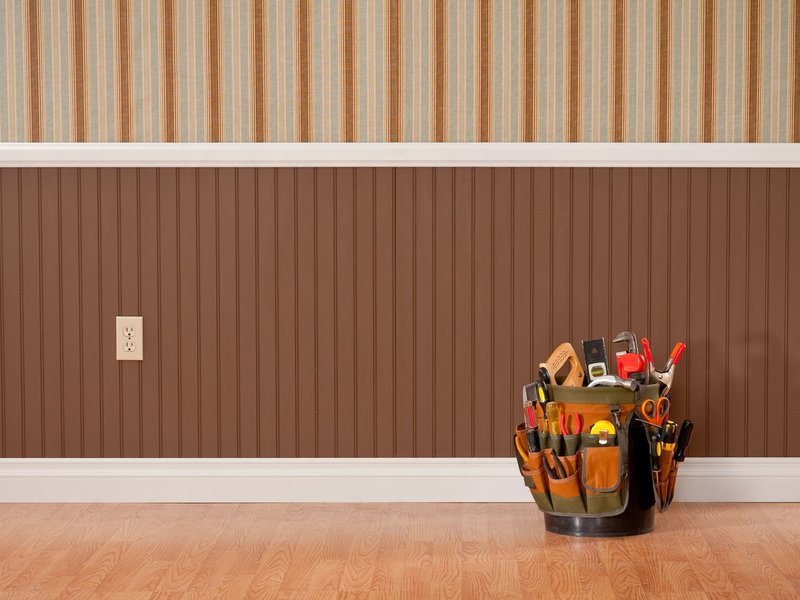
pixel 665 376
pixel 630 362
pixel 578 421
pixel 531 425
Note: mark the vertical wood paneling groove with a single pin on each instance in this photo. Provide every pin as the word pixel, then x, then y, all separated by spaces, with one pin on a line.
pixel 434 337
pixel 218 333
pixel 81 345
pixel 198 300
pixel 453 309
pixel 745 432
pixel 649 249
pixel 276 251
pixel 374 200
pixel 669 254
pixel 786 222
pixel 159 321
pixel 41 323
pixel 336 313
pixel 355 315
pixel 179 312
pixel 493 287
pixel 688 270
pixel 532 265
pixel 472 317
pixel 139 300
pixel 100 344
pixel 630 244
pixel 257 294
pixel 394 296
pixel 571 259
pixel 512 312
pixel 727 306
pixel 610 299
pixel 414 225
pixel 22 396
pixel 590 274
pixel 708 316
pixel 296 275
pixel 551 253
pixel 237 310
pixel 316 318
pixel 765 418
pixel 3 448
pixel 439 376
pixel 120 381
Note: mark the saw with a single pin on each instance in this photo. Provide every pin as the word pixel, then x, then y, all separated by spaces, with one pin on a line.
pixel 562 355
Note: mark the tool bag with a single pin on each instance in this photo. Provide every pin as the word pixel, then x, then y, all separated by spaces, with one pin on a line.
pixel 597 482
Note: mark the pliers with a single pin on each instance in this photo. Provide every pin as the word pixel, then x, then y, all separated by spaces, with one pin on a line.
pixel 664 377
pixel 578 422
pixel 559 473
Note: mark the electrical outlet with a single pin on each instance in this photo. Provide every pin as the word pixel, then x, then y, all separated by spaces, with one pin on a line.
pixel 129 338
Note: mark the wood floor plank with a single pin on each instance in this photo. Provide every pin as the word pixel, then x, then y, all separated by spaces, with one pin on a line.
pixel 382 551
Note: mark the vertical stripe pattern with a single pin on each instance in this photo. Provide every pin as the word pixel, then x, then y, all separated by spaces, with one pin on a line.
pixel 400 70
pixel 382 312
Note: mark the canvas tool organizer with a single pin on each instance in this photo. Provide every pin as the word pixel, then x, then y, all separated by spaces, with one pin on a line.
pixel 611 486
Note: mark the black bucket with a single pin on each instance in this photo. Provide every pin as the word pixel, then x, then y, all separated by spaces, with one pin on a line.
pixel 640 513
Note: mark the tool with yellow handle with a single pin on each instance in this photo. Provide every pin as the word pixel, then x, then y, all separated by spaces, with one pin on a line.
pixel 554 418
pixel 562 355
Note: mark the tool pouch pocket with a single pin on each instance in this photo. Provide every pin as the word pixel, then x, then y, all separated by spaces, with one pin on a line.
pixel 664 481
pixel 553 442
pixel 536 480
pixel 602 478
pixel 589 440
pixel 565 493
pixel 532 470
pixel 571 444
pixel 664 478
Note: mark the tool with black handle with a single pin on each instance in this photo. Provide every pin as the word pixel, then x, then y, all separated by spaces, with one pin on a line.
pixel 655 450
pixel 560 470
pixel 683 441
pixel 529 398
pixel 669 435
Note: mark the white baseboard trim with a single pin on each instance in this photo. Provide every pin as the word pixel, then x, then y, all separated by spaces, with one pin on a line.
pixel 352 480
pixel 405 154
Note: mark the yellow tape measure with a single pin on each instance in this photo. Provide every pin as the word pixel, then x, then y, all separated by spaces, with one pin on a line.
pixel 606 426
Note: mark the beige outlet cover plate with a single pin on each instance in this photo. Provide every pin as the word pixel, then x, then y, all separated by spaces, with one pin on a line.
pixel 130 338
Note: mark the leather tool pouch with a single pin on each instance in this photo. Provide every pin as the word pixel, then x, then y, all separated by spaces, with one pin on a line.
pixel 597 474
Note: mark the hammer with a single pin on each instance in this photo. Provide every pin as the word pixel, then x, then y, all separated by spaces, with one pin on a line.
pixel 614 381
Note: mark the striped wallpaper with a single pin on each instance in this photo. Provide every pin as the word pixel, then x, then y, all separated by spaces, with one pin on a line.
pixel 399 70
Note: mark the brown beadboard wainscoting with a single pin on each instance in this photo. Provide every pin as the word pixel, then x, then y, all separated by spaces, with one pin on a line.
pixel 383 312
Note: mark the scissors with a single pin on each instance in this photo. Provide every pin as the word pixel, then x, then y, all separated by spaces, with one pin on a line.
pixel 655 412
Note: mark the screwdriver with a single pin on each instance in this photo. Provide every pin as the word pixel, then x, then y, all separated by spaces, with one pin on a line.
pixel 655 451
pixel 669 435
pixel 554 418
pixel 683 441
pixel 531 429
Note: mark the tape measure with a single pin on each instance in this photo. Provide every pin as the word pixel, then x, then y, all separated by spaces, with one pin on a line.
pixel 606 426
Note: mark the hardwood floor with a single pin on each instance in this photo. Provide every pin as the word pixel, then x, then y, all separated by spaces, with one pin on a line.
pixel 377 551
